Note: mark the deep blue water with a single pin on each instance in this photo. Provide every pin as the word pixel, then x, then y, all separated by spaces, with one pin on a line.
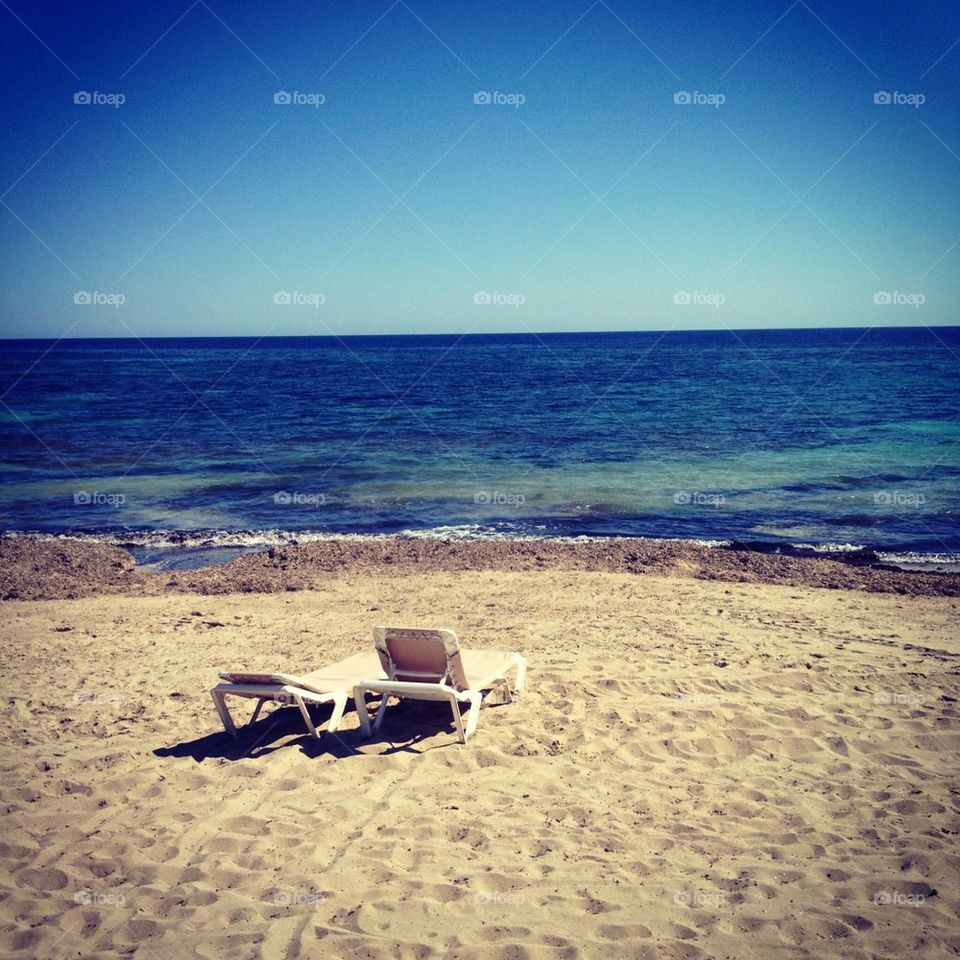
pixel 847 436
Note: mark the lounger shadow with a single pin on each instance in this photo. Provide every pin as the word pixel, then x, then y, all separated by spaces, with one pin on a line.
pixel 265 735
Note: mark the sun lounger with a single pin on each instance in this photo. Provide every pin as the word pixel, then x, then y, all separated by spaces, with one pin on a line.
pixel 429 665
pixel 330 685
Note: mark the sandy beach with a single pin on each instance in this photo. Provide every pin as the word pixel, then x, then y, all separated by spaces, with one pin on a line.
pixel 620 340
pixel 698 768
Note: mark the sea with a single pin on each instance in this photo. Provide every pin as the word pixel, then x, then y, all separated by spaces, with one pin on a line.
pixel 189 451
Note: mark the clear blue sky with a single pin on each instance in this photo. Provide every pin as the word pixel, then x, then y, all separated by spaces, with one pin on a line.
pixel 597 202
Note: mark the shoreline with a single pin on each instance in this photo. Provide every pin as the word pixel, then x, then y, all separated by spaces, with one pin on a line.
pixel 61 568
pixel 147 542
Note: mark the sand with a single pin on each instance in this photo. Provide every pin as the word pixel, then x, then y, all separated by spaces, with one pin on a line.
pixel 698 769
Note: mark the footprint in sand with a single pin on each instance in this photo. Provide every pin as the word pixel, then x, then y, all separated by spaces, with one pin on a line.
pixel 44 878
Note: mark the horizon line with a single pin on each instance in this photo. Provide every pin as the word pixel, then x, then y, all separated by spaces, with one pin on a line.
pixel 480 333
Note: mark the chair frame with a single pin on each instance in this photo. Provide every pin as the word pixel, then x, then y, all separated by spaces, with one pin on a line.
pixel 434 688
pixel 286 693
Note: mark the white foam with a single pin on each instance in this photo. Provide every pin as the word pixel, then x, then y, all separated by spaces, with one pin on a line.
pixel 922 559
pixel 829 547
pixel 252 539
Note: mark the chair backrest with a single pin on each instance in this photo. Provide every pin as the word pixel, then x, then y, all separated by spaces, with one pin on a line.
pixel 420 656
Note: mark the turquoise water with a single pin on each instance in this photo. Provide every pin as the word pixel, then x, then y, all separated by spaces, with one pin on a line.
pixel 834 438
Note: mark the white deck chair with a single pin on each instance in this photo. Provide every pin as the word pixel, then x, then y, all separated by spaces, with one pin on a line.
pixel 429 665
pixel 330 685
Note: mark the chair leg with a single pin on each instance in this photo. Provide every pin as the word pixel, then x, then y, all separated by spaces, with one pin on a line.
pixel 521 673
pixel 219 701
pixel 306 717
pixel 457 719
pixel 339 705
pixel 381 710
pixel 256 711
pixel 359 699
pixel 476 699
